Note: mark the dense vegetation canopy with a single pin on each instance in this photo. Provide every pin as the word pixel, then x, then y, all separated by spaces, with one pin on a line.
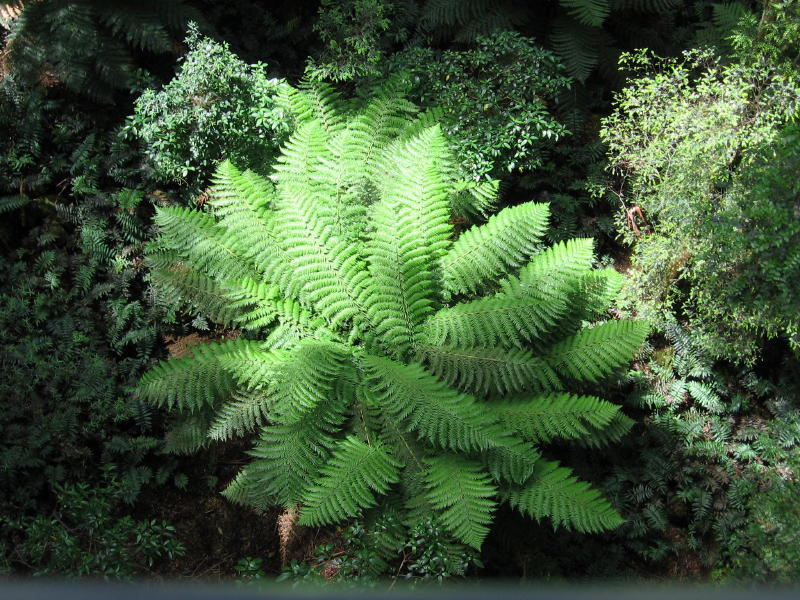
pixel 371 290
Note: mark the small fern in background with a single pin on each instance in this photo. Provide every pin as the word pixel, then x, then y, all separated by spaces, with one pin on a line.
pixel 372 372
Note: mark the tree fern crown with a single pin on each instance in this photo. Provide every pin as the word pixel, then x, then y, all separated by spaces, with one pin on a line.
pixel 377 358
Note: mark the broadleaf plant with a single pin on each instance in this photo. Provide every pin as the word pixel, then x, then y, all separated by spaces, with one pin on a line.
pixel 382 361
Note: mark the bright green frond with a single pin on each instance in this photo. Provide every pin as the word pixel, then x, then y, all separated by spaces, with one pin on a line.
pixel 315 101
pixel 193 381
pixel 259 304
pixel 306 377
pixel 179 284
pixel 594 352
pixel 597 292
pixel 252 366
pixel 383 119
pixel 246 412
pixel 300 156
pixel 415 178
pixel 508 319
pixel 233 190
pixel 486 252
pixel 399 294
pixel 555 493
pixel 617 428
pixel 464 494
pixel 247 490
pixel 565 416
pixel 483 370
pixel 349 481
pixel 560 266
pixel 429 407
pixel 203 244
pixel 289 457
pixel 513 462
pixel 240 201
pixel 328 270
pixel 472 198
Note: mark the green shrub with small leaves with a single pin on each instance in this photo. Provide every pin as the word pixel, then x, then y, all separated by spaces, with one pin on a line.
pixel 385 551
pixel 216 107
pixel 355 35
pixel 707 153
pixel 764 549
pixel 85 537
pixel 495 101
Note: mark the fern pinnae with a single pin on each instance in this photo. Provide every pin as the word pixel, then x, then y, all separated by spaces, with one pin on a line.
pixel 306 376
pixel 178 284
pixel 246 412
pixel 203 244
pixel 490 370
pixel 289 456
pixel 507 320
pixel 463 493
pixel 328 270
pixel 430 408
pixel 555 493
pixel 194 381
pixel 543 418
pixel 594 352
pixel 486 252
pixel 348 482
pixel 398 295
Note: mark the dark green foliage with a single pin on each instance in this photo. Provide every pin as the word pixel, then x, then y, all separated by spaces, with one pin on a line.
pixel 710 443
pixel 217 107
pixel 361 554
pixel 84 537
pixel 350 247
pixel 62 389
pixel 765 549
pixel 495 100
pixel 354 36
pixel 90 45
pixel 576 30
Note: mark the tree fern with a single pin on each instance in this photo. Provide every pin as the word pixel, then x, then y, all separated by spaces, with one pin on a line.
pixel 374 374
